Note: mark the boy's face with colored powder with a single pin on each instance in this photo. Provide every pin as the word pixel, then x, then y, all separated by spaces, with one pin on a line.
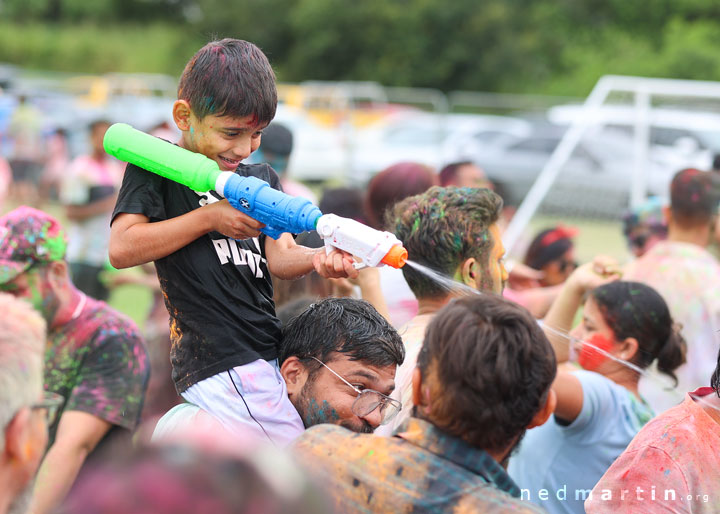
pixel 224 139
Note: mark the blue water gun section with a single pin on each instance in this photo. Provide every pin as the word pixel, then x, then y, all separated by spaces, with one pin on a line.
pixel 279 212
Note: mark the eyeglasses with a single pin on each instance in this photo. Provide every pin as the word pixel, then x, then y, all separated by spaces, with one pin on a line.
pixel 368 400
pixel 51 402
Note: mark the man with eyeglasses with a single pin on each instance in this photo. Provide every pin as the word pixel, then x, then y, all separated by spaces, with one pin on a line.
pixel 483 377
pixel 94 356
pixel 338 359
pixel 23 406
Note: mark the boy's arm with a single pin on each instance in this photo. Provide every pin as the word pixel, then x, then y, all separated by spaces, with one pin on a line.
pixel 135 240
pixel 288 260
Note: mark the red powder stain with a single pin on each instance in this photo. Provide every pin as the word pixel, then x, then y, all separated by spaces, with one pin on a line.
pixel 590 358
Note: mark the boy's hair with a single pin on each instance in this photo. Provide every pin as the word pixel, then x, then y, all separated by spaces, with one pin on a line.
pixel 230 77
pixel 344 325
pixel 443 227
pixel 489 368
pixel 693 197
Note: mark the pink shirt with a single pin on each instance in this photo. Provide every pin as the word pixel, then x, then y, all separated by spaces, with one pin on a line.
pixel 687 276
pixel 672 465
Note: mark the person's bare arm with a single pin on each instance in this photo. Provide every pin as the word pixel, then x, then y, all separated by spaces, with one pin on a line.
pixel 558 321
pixel 288 260
pixel 82 212
pixel 135 240
pixel 78 434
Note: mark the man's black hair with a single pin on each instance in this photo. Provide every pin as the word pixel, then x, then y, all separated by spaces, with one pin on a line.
pixel 344 325
pixel 493 367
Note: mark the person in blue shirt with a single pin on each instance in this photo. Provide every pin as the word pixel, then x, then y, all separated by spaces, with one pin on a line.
pixel 626 326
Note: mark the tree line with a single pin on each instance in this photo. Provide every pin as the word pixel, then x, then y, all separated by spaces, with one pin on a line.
pixel 542 46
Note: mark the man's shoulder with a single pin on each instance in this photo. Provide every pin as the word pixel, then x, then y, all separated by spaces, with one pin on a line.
pixel 330 435
pixel 104 322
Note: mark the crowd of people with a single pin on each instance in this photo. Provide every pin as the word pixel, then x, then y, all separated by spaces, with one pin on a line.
pixel 273 375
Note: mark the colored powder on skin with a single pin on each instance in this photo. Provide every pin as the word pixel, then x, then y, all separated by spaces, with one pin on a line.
pixel 317 414
pixel 589 357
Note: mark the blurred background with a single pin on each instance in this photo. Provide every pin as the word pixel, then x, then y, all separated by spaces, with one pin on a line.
pixel 523 89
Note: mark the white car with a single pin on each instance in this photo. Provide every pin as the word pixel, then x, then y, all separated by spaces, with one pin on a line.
pixel 428 138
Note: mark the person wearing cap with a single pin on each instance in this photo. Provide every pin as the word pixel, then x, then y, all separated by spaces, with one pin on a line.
pixel 94 357
pixel 552 251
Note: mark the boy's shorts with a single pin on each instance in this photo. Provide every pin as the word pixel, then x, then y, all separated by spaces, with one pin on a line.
pixel 250 399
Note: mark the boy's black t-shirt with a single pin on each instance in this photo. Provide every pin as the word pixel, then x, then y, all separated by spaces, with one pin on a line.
pixel 217 290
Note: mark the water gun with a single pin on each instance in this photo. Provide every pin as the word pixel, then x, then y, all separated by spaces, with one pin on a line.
pixel 279 212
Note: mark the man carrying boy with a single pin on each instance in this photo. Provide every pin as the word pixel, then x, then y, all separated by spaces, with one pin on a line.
pixel 212 262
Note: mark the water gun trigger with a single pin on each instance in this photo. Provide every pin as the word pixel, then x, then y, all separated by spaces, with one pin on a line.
pixel 329 247
pixel 275 233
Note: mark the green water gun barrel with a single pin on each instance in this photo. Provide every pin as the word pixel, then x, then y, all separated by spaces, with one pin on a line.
pixel 153 154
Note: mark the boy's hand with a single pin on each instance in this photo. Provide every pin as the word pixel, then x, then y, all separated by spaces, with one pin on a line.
pixel 336 264
pixel 230 222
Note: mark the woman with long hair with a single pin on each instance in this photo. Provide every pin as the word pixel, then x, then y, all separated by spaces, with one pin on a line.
pixel 625 327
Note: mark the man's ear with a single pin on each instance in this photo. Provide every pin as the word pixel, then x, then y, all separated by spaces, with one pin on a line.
pixel 420 392
pixel 16 434
pixel 58 274
pixel 469 272
pixel 295 374
pixel 667 214
pixel 181 114
pixel 544 413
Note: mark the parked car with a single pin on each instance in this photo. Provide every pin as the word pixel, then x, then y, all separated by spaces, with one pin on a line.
pixel 428 138
pixel 595 181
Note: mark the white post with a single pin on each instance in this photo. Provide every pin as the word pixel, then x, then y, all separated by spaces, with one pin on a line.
pixel 641 144
pixel 557 160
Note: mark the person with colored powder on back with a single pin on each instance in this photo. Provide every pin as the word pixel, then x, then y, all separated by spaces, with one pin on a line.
pixel 483 377
pixel 95 357
pixel 211 259
pixel 454 232
pixel 687 276
pixel 25 412
pixel 338 359
pixel 672 465
pixel 626 326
